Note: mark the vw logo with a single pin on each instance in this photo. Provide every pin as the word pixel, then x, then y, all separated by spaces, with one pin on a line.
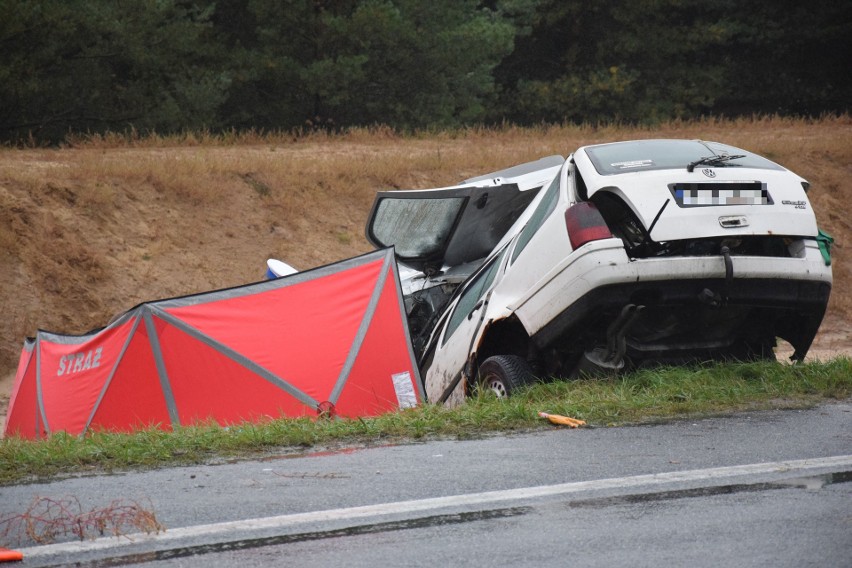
pixel 708 172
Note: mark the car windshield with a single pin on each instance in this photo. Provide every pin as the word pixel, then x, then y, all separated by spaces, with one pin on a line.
pixel 449 226
pixel 416 227
pixel 645 155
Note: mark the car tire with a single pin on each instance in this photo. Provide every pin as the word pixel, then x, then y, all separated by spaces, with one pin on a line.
pixel 502 375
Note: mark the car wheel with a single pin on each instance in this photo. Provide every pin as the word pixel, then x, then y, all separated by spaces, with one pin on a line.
pixel 503 374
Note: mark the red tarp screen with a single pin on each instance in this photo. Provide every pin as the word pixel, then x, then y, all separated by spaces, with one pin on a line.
pixel 333 337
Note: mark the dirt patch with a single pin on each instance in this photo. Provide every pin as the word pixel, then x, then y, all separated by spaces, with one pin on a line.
pixel 88 232
pixel 6 383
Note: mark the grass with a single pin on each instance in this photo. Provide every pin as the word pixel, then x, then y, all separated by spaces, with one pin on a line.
pixel 640 397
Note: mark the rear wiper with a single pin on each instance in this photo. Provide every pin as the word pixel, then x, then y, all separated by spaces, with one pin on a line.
pixel 712 161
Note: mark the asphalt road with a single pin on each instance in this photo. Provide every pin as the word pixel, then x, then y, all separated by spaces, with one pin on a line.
pixel 756 489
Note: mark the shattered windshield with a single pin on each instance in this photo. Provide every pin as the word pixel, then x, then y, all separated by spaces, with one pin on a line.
pixel 644 155
pixel 416 227
pixel 448 226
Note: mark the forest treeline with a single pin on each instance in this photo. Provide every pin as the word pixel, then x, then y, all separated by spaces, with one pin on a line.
pixel 83 66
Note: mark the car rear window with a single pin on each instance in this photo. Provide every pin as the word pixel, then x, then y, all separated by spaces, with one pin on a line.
pixel 644 155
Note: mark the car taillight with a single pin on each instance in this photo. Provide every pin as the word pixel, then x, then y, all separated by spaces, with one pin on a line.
pixel 585 223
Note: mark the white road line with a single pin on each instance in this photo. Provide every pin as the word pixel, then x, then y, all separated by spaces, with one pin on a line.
pixel 436 503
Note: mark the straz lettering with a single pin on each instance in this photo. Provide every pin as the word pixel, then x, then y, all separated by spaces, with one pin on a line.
pixel 78 362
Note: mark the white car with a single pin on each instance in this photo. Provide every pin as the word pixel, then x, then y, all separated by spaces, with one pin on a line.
pixel 625 254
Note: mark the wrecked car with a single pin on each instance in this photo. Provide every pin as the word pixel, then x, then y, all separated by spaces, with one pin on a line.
pixel 623 255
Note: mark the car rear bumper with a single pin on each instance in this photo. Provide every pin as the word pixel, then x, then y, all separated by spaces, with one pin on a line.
pixel 688 301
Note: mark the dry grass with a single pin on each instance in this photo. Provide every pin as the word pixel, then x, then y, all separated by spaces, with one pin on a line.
pixel 48 520
pixel 106 222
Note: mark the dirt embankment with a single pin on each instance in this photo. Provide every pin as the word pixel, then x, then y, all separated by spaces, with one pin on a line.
pixel 89 231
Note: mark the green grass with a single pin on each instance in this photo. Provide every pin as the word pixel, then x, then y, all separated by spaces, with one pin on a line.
pixel 644 396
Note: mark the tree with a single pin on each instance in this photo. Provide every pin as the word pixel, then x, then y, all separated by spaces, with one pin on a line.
pixel 95 66
pixel 173 65
pixel 405 63
pixel 634 61
pixel 788 58
pixel 651 60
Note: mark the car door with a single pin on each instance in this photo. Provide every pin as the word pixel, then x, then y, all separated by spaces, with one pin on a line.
pixel 452 346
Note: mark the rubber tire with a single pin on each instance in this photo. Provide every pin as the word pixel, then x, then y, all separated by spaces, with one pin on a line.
pixel 504 374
